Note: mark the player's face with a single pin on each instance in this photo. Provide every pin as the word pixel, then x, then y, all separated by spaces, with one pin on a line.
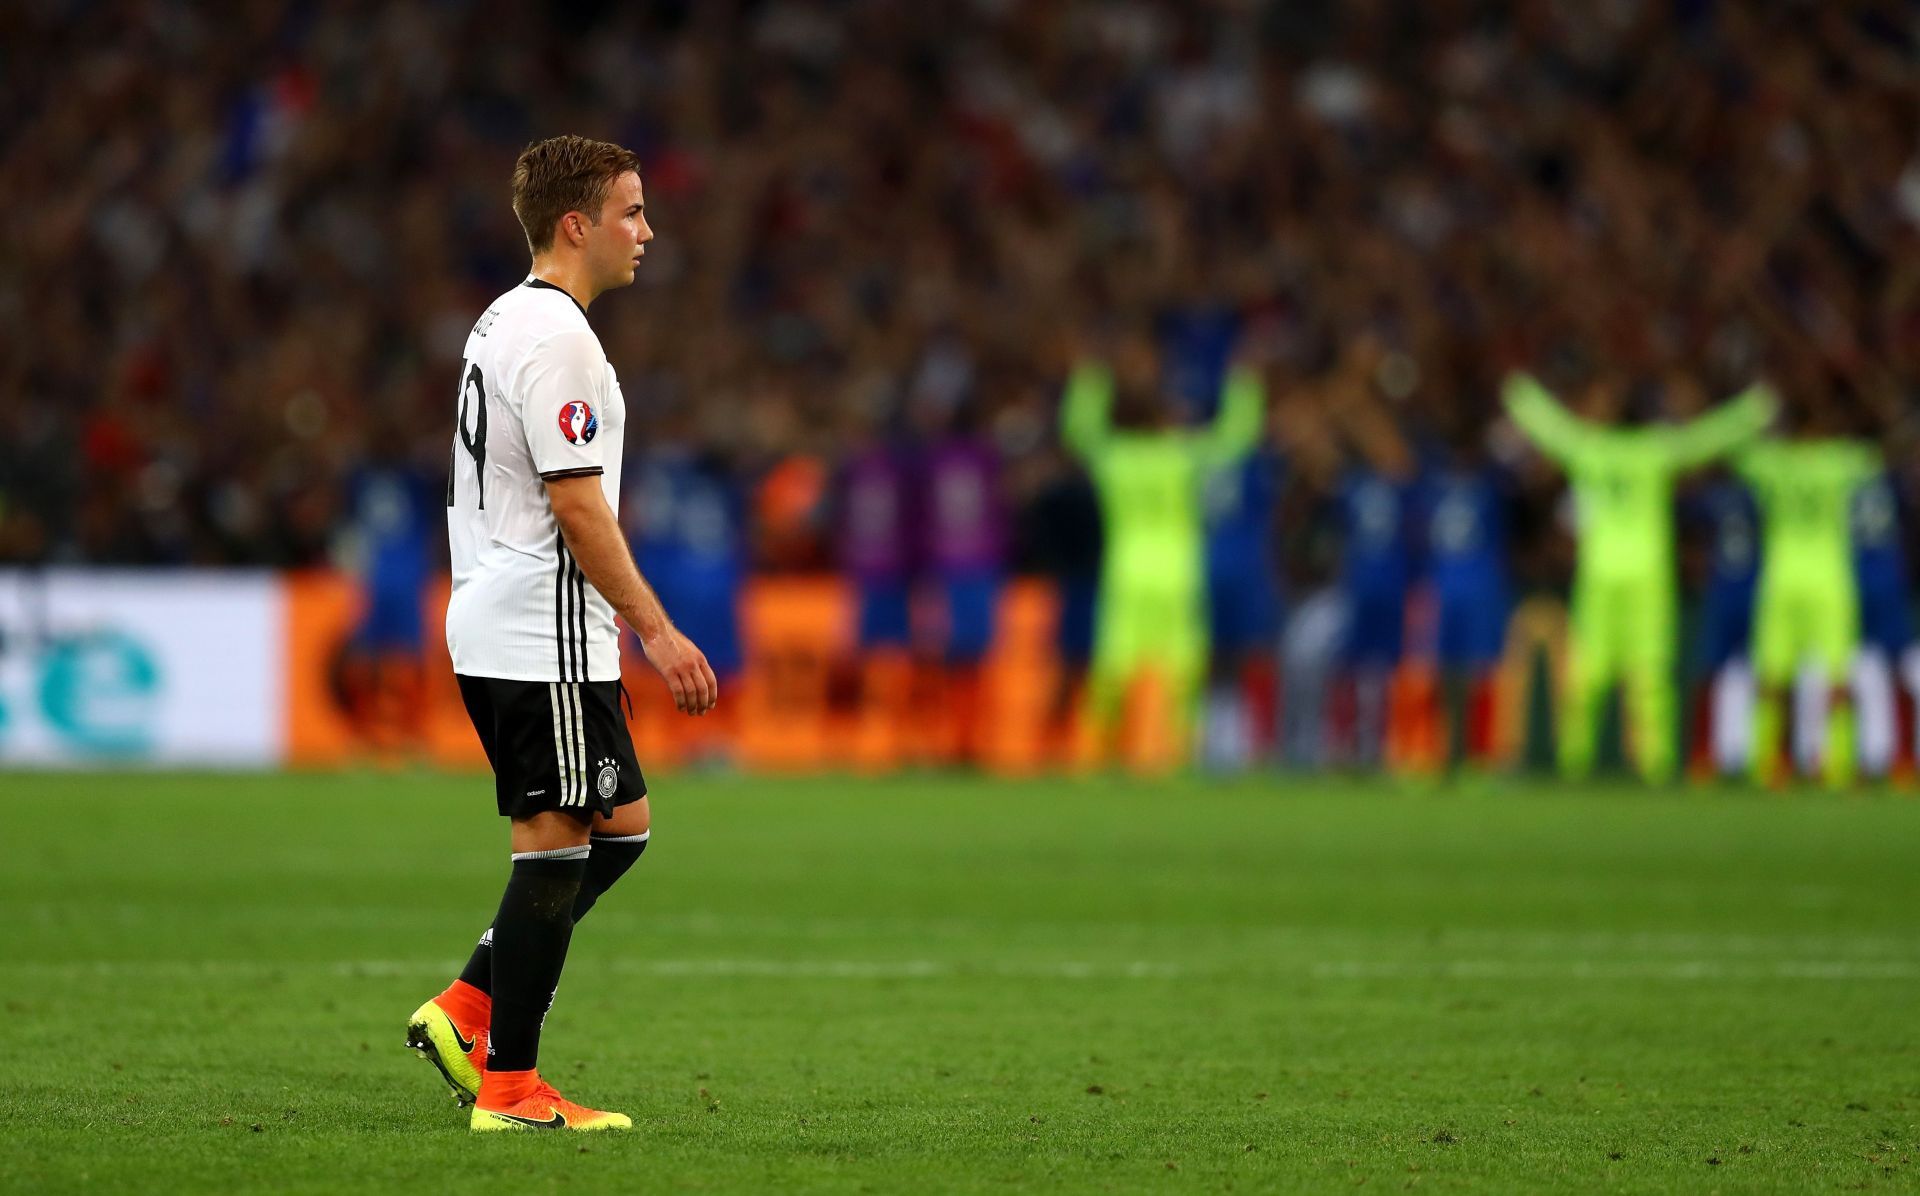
pixel 621 237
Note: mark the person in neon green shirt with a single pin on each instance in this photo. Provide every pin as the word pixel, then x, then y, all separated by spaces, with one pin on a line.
pixel 1624 600
pixel 1807 608
pixel 1149 475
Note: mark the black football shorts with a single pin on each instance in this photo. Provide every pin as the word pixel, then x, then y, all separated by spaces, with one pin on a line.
pixel 554 745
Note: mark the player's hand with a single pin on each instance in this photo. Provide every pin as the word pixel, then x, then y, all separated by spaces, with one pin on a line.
pixel 685 670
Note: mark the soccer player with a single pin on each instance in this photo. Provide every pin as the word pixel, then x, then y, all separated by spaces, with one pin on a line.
pixel 689 533
pixel 1462 503
pixel 1065 536
pixel 1886 622
pixel 393 512
pixel 1244 607
pixel 1808 606
pixel 1624 600
pixel 1724 507
pixel 1197 335
pixel 1152 616
pixel 963 545
pixel 540 570
pixel 1373 509
pixel 875 521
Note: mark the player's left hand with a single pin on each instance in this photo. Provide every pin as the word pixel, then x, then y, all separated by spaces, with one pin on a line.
pixel 685 670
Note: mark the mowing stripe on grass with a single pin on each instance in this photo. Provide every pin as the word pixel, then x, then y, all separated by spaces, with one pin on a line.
pixel 930 969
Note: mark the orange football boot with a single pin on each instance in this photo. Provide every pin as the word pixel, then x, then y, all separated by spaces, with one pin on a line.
pixel 521 1100
pixel 450 1032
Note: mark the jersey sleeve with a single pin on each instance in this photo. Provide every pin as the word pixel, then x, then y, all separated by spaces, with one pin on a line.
pixel 1722 430
pixel 1086 410
pixel 1864 463
pixel 1753 463
pixel 563 388
pixel 1550 426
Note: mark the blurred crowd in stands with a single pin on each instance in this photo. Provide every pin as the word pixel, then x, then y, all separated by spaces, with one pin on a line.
pixel 248 244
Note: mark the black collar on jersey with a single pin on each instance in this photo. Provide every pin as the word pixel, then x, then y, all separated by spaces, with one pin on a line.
pixel 541 284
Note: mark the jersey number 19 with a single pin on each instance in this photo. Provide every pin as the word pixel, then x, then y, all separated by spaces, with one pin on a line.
pixel 473 388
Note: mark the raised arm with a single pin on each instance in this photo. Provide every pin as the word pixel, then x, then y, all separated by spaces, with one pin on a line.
pixel 1723 430
pixel 1536 412
pixel 1236 426
pixel 1865 461
pixel 1086 410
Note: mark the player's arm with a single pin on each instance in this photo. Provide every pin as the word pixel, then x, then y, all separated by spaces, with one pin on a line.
pixel 561 388
pixel 1236 426
pixel 594 538
pixel 1723 430
pixel 1865 461
pixel 1086 410
pixel 1536 412
pixel 1750 463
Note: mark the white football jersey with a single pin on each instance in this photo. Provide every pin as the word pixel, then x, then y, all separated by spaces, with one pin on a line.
pixel 537 401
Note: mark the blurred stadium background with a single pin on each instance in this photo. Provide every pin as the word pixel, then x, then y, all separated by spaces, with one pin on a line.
pixel 248 247
pixel 242 800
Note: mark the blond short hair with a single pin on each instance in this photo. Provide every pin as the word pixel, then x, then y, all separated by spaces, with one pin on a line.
pixel 561 175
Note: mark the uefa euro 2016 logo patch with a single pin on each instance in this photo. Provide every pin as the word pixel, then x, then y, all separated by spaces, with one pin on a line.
pixel 578 423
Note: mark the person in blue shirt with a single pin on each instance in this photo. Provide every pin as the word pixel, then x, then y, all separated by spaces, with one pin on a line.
pixel 1724 510
pixel 1886 623
pixel 1372 507
pixel 1061 534
pixel 1198 339
pixel 1462 504
pixel 1197 342
pixel 962 542
pixel 1373 497
pixel 691 537
pixel 389 543
pixel 1244 600
pixel 392 528
pixel 686 513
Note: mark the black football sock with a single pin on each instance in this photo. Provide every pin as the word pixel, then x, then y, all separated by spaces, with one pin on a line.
pixel 612 856
pixel 530 937
pixel 479 969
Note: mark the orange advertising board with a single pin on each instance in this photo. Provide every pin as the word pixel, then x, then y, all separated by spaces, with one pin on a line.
pixel 806 700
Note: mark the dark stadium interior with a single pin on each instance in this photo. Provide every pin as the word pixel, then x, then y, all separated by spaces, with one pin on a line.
pixel 247 242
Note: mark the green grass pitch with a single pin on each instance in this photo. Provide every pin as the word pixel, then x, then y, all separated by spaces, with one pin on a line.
pixel 939 984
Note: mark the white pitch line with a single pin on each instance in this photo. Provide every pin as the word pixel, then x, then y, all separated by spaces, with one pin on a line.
pixel 1619 969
